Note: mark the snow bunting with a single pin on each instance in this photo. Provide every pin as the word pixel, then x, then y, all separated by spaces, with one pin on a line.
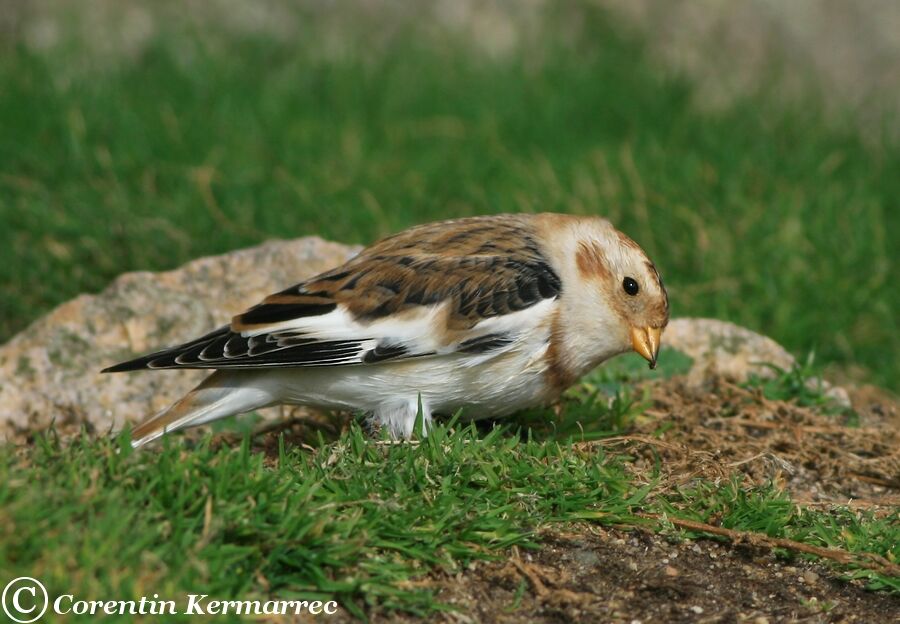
pixel 485 314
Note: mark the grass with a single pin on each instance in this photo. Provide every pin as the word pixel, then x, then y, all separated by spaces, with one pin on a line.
pixel 803 385
pixel 769 511
pixel 346 517
pixel 763 214
pixel 352 519
pixel 360 520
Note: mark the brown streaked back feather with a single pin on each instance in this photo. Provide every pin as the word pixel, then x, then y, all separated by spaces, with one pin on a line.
pixel 480 268
pixel 484 266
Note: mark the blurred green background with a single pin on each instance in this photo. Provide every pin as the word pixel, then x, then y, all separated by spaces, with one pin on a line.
pixel 137 135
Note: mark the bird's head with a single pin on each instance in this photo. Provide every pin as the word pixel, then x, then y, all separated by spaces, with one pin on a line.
pixel 617 301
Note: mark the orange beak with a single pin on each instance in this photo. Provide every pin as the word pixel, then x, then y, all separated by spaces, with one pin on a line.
pixel 645 341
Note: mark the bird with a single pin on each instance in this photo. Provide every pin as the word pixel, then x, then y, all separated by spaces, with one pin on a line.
pixel 482 316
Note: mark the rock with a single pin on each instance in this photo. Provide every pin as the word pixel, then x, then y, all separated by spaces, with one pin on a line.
pixel 51 371
pixel 587 557
pixel 838 395
pixel 719 348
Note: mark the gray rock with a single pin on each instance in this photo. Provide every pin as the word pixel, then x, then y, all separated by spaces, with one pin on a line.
pixel 723 349
pixel 586 557
pixel 719 348
pixel 51 371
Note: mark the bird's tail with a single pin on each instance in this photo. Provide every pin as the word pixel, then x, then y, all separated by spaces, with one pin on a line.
pixel 222 394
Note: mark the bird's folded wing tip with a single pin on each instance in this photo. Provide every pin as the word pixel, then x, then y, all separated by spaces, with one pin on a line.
pixel 123 367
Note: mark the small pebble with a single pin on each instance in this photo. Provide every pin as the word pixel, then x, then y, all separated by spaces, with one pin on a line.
pixel 697 610
pixel 586 557
pixel 810 577
pixel 670 571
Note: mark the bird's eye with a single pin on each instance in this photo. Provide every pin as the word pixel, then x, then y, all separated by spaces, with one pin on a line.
pixel 630 286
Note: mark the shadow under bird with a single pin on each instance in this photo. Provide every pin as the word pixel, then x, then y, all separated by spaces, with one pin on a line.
pixel 487 314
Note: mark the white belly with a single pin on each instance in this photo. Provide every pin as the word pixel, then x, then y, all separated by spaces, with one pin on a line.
pixel 483 386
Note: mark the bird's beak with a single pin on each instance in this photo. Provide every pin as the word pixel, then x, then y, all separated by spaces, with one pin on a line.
pixel 645 341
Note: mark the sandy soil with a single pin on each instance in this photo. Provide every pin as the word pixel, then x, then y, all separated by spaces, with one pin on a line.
pixel 592 575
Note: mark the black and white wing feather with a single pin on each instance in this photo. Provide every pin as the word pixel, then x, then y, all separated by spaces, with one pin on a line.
pixel 432 290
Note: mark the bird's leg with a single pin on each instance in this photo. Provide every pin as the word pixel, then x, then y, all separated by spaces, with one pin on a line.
pixel 372 426
pixel 400 418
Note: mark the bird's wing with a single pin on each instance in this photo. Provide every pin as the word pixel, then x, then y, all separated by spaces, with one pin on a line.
pixel 445 288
